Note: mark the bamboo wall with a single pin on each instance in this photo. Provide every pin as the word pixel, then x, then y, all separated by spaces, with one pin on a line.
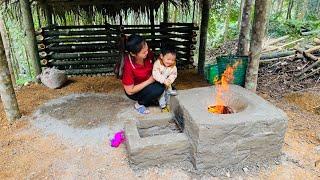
pixel 96 48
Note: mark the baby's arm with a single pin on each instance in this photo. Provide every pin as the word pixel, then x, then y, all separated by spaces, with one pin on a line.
pixel 156 72
pixel 172 77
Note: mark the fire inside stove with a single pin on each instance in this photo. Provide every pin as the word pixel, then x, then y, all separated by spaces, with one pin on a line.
pixel 222 86
pixel 220 109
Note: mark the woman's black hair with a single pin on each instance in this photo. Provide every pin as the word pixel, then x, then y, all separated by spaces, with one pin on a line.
pixel 135 43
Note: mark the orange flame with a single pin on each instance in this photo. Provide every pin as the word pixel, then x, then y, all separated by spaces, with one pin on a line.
pixel 222 86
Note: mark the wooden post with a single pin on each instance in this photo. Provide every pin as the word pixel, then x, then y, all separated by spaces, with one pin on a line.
pixel 258 32
pixel 203 35
pixel 32 50
pixel 152 24
pixel 8 96
pixel 243 44
pixel 166 11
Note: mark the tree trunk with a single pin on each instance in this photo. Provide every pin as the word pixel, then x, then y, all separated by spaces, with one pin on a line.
pixel 6 45
pixel 290 6
pixel 304 11
pixel 318 8
pixel 8 96
pixel 203 35
pixel 227 21
pixel 240 15
pixel 165 11
pixel 270 8
pixel 32 50
pixel 243 45
pixel 279 7
pixel 258 32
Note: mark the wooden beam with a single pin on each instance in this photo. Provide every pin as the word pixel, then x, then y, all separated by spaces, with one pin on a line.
pixel 7 93
pixel 203 35
pixel 32 50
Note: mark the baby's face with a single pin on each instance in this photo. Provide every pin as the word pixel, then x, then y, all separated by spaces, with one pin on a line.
pixel 169 59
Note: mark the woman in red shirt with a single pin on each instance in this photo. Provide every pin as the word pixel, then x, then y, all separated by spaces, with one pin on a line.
pixel 137 79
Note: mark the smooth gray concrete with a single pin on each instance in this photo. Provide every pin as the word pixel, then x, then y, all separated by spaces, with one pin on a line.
pixel 254 134
pixel 158 149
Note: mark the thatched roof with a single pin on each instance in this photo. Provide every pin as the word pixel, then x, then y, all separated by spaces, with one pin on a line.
pixel 109 7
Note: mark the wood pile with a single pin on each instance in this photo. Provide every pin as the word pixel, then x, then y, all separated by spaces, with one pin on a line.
pixel 289 66
pixel 308 53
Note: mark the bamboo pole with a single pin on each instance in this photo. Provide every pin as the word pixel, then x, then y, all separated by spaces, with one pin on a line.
pixel 82 62
pixel 75 33
pixel 28 25
pixel 42 39
pixel 313 49
pixel 164 29
pixel 282 46
pixel 310 74
pixel 276 41
pixel 317 41
pixel 276 54
pixel 89 71
pixel 307 55
pixel 68 48
pixel 262 61
pixel 57 56
pixel 7 93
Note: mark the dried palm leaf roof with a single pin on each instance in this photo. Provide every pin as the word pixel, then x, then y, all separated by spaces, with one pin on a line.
pixel 110 8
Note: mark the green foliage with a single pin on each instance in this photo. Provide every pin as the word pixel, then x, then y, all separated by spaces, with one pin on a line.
pixel 293 27
pixel 18 55
pixel 216 23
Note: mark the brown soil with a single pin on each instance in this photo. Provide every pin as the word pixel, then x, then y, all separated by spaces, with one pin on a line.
pixel 25 152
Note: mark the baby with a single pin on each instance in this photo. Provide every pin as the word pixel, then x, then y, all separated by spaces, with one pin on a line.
pixel 165 72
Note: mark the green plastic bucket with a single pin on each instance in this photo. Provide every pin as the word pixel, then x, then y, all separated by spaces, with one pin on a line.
pixel 211 72
pixel 240 73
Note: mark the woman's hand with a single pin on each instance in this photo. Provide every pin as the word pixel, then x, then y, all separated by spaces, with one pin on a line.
pixel 132 89
pixel 151 80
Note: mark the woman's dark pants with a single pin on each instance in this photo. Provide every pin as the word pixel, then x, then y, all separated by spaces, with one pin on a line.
pixel 148 95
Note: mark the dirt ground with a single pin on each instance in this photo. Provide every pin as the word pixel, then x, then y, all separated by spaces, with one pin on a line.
pixel 27 153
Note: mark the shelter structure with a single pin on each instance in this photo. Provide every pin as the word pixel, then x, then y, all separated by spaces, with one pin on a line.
pixel 93 49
